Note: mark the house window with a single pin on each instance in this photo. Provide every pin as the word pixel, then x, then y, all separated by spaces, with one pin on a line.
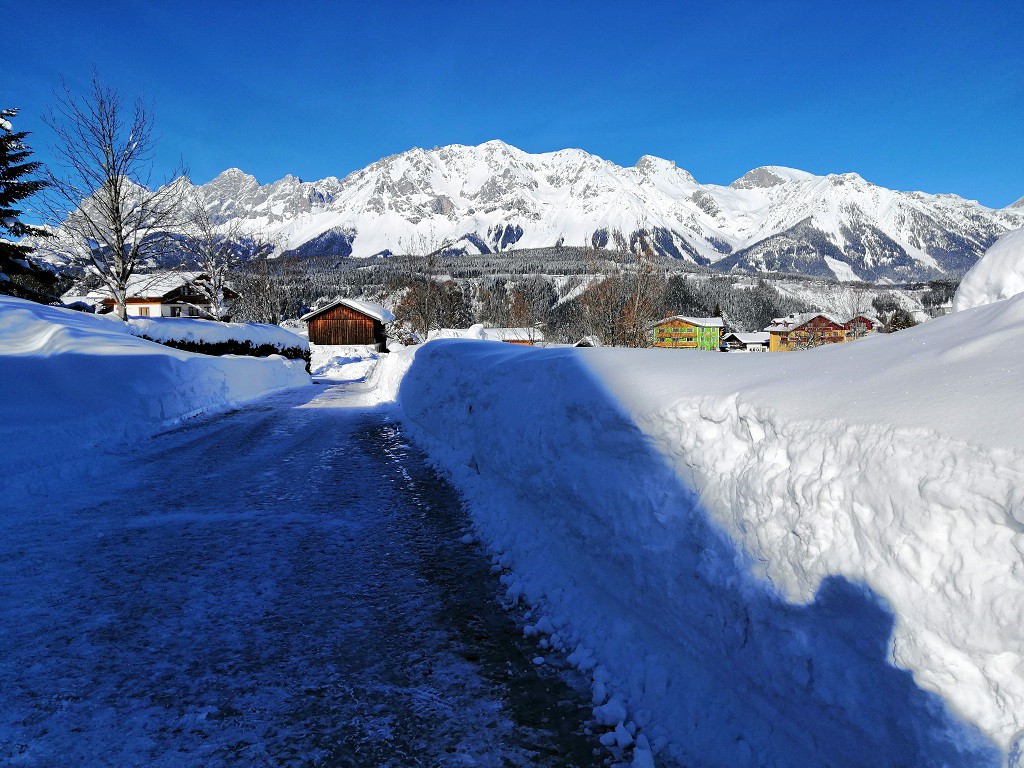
pixel 143 311
pixel 175 311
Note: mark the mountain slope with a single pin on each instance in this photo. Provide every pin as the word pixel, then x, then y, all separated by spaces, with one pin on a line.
pixel 494 197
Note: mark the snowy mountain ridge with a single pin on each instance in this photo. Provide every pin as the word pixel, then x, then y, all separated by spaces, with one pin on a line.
pixel 495 197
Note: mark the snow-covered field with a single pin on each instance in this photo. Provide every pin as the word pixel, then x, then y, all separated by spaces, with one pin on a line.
pixel 796 559
pixel 75 382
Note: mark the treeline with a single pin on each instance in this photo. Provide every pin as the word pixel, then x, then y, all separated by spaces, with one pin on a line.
pixel 566 293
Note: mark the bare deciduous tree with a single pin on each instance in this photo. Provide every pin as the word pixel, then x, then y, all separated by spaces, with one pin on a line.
pixel 847 300
pixel 218 249
pixel 110 220
pixel 619 308
pixel 264 296
pixel 645 290
pixel 426 302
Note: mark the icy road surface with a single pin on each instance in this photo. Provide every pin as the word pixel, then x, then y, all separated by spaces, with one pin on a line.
pixel 282 585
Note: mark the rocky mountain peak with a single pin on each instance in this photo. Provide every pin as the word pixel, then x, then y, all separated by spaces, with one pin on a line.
pixel 649 165
pixel 231 183
pixel 769 176
pixel 495 197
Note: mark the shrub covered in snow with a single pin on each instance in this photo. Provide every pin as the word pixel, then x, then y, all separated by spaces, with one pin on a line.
pixel 214 338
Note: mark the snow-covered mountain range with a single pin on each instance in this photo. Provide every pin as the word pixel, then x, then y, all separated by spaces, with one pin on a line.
pixel 495 197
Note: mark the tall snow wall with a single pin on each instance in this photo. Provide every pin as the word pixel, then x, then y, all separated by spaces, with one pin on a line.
pixel 679 609
pixel 74 384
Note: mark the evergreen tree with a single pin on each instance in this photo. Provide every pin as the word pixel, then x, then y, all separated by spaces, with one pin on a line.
pixel 901 320
pixel 18 275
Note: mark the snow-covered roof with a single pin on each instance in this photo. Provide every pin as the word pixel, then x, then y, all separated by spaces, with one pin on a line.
pixel 70 299
pixel 150 285
pixel 791 322
pixel 487 334
pixel 758 337
pixel 707 322
pixel 794 321
pixel 368 308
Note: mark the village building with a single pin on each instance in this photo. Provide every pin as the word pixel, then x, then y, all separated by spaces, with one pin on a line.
pixel 746 342
pixel 939 310
pixel 158 294
pixel 859 326
pixel 523 336
pixel 815 329
pixel 805 330
pixel 680 332
pixel 349 322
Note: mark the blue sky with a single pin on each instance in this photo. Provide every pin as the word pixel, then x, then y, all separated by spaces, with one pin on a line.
pixel 911 95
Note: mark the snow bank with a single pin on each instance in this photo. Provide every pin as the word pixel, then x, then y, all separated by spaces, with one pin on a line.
pixel 171 329
pixel 998 275
pixel 384 381
pixel 74 381
pixel 797 559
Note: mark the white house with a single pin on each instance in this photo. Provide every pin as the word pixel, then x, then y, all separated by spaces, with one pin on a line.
pixel 159 294
pixel 746 342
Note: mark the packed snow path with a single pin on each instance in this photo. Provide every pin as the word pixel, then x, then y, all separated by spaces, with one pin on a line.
pixel 282 585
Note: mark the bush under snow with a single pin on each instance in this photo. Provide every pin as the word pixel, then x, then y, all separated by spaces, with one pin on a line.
pixel 216 338
pixel 811 558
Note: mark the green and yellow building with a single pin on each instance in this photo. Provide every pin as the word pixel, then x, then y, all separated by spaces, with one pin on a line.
pixel 680 332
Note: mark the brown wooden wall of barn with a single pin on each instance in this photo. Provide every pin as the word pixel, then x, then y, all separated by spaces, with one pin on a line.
pixel 342 325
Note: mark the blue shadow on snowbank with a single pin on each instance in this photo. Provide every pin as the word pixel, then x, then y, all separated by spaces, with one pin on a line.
pixel 604 531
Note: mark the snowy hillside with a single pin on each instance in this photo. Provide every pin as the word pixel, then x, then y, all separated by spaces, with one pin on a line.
pixel 774 560
pixel 76 382
pixel 494 197
pixel 999 275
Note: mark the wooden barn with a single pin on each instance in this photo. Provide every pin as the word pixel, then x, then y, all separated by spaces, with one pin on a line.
pixel 349 322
